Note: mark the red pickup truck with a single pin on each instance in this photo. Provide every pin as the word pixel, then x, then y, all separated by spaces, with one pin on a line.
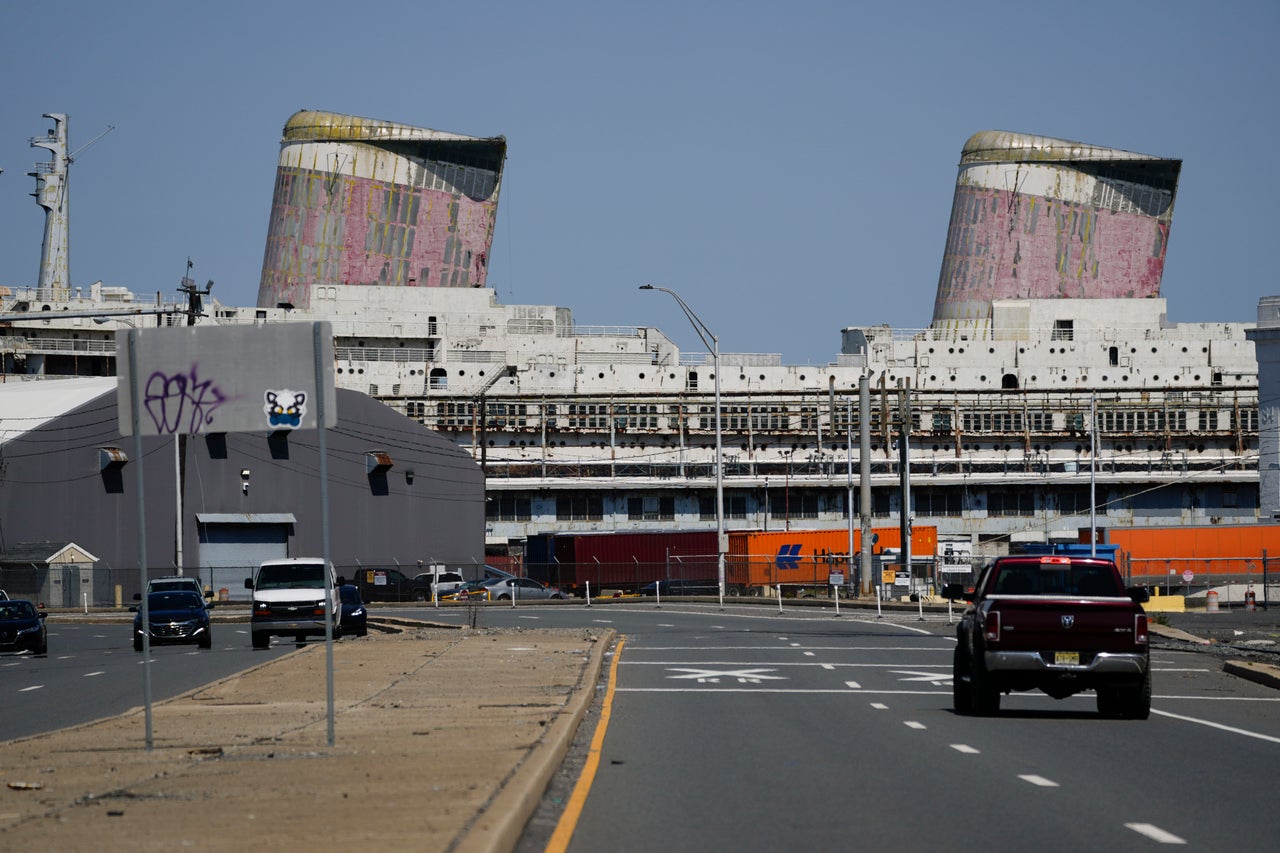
pixel 1058 624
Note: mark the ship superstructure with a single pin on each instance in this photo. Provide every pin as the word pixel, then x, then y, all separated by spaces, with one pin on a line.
pixel 612 428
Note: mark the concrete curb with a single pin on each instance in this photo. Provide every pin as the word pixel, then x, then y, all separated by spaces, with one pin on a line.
pixel 1259 673
pixel 502 820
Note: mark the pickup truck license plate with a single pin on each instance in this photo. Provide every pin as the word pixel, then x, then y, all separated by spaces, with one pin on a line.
pixel 1066 658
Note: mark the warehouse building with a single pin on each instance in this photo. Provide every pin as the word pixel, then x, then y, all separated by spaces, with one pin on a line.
pixel 218 504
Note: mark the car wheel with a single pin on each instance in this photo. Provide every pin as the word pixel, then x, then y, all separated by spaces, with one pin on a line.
pixel 984 693
pixel 261 640
pixel 504 597
pixel 137 645
pixel 206 641
pixel 961 683
pixel 1135 701
pixel 420 596
pixel 1108 700
pixel 363 632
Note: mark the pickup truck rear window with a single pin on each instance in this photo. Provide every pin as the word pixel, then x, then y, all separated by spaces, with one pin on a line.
pixel 1057 579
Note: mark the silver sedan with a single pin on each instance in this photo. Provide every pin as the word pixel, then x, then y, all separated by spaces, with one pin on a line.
pixel 520 589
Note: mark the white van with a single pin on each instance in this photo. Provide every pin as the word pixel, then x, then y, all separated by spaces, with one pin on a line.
pixel 290 597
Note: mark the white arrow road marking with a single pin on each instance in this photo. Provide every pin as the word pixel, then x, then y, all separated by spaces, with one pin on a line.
pixel 932 677
pixel 713 676
pixel 1155 833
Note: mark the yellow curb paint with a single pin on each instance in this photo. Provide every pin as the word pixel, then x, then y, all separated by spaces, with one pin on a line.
pixel 573 809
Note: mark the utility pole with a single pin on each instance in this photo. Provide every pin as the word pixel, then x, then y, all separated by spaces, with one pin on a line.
pixel 904 470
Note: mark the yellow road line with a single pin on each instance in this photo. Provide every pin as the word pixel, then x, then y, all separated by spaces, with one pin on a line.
pixel 573 809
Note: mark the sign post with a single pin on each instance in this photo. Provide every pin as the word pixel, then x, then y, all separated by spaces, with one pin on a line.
pixel 192 380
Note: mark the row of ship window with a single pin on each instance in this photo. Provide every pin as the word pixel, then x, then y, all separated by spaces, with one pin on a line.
pixel 603 417
pixel 780 502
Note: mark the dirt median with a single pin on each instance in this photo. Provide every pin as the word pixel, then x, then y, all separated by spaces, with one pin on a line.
pixel 444 740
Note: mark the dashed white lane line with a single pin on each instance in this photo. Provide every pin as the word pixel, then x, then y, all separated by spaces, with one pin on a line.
pixel 32 687
pixel 965 748
pixel 879 706
pixel 828 666
pixel 1155 833
pixel 92 674
pixel 853 685
pixel 912 724
pixel 809 654
pixel 1038 780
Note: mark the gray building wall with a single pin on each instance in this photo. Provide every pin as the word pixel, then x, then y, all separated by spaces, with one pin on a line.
pixel 52 488
pixel 1266 340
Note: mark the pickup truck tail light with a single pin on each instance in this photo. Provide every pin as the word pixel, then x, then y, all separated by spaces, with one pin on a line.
pixel 991 626
pixel 1140 629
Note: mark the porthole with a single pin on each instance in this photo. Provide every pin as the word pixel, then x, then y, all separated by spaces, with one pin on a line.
pixel 600 375
pixel 1124 378
pixel 642 376
pixel 983 378
pixel 552 374
pixel 953 377
pixel 932 378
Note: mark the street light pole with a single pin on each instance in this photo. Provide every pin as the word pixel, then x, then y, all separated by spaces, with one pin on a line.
pixel 712 343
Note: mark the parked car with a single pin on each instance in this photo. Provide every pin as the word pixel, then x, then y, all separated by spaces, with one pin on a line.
pixel 22 627
pixel 175 583
pixel 520 589
pixel 439 583
pixel 355 619
pixel 468 591
pixel 384 584
pixel 495 572
pixel 679 586
pixel 173 617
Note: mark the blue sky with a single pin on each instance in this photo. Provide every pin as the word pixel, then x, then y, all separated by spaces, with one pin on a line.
pixel 788 168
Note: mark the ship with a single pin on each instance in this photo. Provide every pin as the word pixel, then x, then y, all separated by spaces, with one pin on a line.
pixel 1048 398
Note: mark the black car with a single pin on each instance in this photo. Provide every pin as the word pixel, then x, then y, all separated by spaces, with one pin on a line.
pixel 355 619
pixel 175 617
pixel 384 584
pixel 679 586
pixel 22 627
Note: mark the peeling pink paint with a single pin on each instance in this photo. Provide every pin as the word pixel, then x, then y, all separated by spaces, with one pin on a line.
pixel 1007 245
pixel 369 233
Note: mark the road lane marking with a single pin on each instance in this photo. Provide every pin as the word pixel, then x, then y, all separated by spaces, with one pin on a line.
pixel 946 669
pixel 1232 729
pixel 853 685
pixel 559 841
pixel 808 654
pixel 935 680
pixel 92 674
pixel 879 706
pixel 603 621
pixel 1155 833
pixel 965 748
pixel 1038 780
pixel 912 724
pixel 713 676
pixel 32 687
pixel 947 649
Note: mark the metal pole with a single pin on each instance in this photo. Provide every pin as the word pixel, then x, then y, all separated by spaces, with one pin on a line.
pixel 135 409
pixel 864 475
pixel 712 343
pixel 848 446
pixel 1093 484
pixel 331 596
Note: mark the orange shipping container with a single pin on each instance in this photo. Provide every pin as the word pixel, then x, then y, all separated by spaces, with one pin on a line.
pixel 1210 549
pixel 756 559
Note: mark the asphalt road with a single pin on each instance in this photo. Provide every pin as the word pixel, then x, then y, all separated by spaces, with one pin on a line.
pixel 743 730
pixel 92 671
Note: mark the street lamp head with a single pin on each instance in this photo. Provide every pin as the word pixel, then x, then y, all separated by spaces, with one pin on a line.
pixel 646 287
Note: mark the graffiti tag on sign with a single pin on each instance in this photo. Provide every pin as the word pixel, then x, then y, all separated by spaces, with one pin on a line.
pixel 181 402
